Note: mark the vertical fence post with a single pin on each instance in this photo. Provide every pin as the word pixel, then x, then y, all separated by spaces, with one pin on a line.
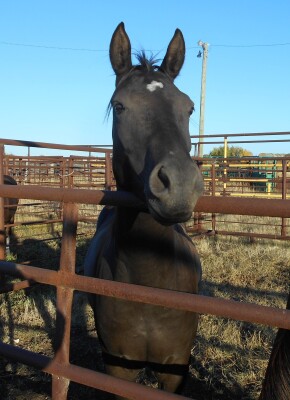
pixel 71 172
pixel 225 166
pixel 198 216
pixel 2 212
pixel 284 194
pixel 64 299
pixel 198 149
pixel 108 172
pixel 213 175
pixel 14 170
pixel 5 164
pixel 62 176
pixel 90 168
pixel 63 173
pixel 28 167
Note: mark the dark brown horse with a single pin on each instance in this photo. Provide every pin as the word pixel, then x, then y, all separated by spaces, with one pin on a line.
pixel 276 385
pixel 10 207
pixel 151 146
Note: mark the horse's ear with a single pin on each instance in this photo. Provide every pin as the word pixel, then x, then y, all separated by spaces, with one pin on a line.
pixel 174 56
pixel 120 51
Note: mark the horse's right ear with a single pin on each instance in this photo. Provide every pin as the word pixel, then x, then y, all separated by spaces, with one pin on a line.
pixel 120 51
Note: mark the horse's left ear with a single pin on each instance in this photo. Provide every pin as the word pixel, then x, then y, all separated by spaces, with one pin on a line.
pixel 174 56
pixel 120 51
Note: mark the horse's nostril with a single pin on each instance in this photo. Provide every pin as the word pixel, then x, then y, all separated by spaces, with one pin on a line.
pixel 164 178
pixel 159 181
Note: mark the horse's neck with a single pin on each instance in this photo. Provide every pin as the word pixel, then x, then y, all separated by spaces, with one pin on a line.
pixel 141 246
pixel 133 223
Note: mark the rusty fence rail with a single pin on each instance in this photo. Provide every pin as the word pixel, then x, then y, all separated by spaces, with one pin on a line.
pixel 266 177
pixel 262 177
pixel 198 141
pixel 67 281
pixel 209 204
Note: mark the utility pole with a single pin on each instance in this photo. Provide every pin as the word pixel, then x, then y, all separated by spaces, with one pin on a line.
pixel 202 94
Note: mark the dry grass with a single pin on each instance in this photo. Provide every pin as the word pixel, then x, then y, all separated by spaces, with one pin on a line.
pixel 229 357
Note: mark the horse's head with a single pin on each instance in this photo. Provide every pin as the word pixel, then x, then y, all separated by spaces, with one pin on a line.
pixel 151 141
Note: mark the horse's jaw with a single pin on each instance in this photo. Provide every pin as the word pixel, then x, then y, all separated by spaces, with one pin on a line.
pixel 168 217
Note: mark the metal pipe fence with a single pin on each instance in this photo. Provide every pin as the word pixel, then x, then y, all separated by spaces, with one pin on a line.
pixel 67 281
pixel 198 141
pixel 249 177
pixel 260 177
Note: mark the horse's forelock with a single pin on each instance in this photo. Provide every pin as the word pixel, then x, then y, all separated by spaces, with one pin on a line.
pixel 148 63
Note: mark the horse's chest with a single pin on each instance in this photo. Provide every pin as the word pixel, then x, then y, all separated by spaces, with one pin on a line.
pixel 170 274
pixel 155 271
pixel 141 331
pixel 139 319
pixel 168 263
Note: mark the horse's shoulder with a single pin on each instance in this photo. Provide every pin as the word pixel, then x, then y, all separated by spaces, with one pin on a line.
pixel 101 242
pixel 188 249
pixel 181 231
pixel 106 216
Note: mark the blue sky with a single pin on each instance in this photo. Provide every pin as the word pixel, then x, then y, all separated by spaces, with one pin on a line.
pixel 56 79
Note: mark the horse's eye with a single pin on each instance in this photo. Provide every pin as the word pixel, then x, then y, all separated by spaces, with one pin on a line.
pixel 118 107
pixel 191 110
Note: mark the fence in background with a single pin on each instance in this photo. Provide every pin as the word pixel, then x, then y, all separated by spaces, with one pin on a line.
pixel 91 167
pixel 199 141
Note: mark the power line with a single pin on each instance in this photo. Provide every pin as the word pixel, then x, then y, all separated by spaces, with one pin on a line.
pixel 102 50
pixel 50 47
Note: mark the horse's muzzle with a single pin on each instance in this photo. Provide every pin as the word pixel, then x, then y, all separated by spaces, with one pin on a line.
pixel 173 191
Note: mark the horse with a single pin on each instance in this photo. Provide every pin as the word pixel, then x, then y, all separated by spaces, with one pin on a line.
pixel 276 385
pixel 148 245
pixel 10 207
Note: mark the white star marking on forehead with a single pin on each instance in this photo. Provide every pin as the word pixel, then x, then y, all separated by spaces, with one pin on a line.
pixel 154 85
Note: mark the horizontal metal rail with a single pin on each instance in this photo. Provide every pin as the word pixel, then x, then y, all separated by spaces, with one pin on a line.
pixel 101 149
pixel 243 167
pixel 160 297
pixel 207 204
pixel 251 235
pixel 85 376
pixel 93 149
pixel 241 134
pixel 228 138
pixel 248 141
